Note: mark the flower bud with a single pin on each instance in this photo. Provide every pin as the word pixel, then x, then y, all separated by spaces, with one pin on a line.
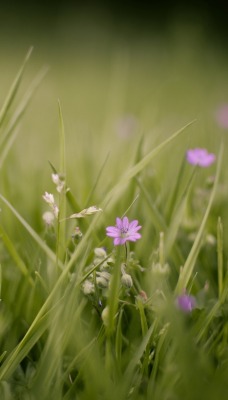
pixel 126 281
pixel 102 282
pixel 105 315
pixel 88 287
pixel 100 252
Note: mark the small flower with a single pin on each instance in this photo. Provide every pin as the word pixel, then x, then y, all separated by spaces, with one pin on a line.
pixel 88 287
pixel 49 198
pixel 48 218
pixel 100 252
pixel 55 210
pixel 186 302
pixel 58 181
pixel 126 281
pixel 200 157
pixel 222 116
pixel 124 231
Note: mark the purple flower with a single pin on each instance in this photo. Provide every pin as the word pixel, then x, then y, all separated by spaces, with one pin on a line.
pixel 124 231
pixel 222 116
pixel 186 302
pixel 200 157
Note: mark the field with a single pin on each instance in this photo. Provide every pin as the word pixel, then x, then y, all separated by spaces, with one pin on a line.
pixel 93 129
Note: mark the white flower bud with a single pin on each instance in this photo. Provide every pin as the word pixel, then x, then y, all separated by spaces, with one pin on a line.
pixel 88 287
pixel 58 181
pixel 105 315
pixel 126 281
pixel 49 198
pixel 100 252
pixel 102 282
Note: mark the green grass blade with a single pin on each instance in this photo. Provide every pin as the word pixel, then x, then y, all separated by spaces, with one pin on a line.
pixel 50 254
pixel 220 256
pixel 90 196
pixel 113 294
pixel 178 216
pixel 14 254
pixel 135 359
pixel 158 221
pixel 14 88
pixel 114 193
pixel 9 134
pixel 61 229
pixel 174 196
pixel 185 274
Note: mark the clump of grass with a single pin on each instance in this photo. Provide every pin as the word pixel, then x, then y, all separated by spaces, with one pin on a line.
pixel 144 317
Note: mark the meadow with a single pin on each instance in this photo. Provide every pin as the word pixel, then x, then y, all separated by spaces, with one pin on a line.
pixel 113 226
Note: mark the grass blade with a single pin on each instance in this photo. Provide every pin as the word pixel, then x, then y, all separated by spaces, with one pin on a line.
pixel 14 88
pixel 114 193
pixel 50 254
pixel 187 270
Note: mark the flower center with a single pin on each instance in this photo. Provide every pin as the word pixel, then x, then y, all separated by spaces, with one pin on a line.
pixel 124 232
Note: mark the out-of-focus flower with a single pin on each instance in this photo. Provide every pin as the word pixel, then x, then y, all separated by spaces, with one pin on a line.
pixel 186 302
pixel 49 198
pixel 200 157
pixel 222 116
pixel 58 181
pixel 88 287
pixel 126 281
pixel 124 231
pixel 48 218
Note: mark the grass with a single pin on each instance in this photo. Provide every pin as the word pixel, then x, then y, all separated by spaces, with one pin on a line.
pixel 81 318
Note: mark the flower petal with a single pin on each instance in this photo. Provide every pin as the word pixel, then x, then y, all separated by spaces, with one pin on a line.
pixel 125 224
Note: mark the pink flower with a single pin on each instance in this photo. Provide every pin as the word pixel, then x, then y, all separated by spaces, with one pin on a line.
pixel 186 302
pixel 200 157
pixel 222 116
pixel 124 231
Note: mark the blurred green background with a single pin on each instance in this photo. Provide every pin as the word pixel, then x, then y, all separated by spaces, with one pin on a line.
pixel 120 70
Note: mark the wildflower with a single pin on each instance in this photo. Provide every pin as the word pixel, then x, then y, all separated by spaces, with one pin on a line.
pixel 48 218
pixel 124 231
pixel 222 116
pixel 58 181
pixel 49 198
pixel 186 302
pixel 88 287
pixel 126 281
pixel 200 157
pixel 100 252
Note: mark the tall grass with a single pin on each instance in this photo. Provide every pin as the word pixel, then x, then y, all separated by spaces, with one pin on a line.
pixel 81 318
